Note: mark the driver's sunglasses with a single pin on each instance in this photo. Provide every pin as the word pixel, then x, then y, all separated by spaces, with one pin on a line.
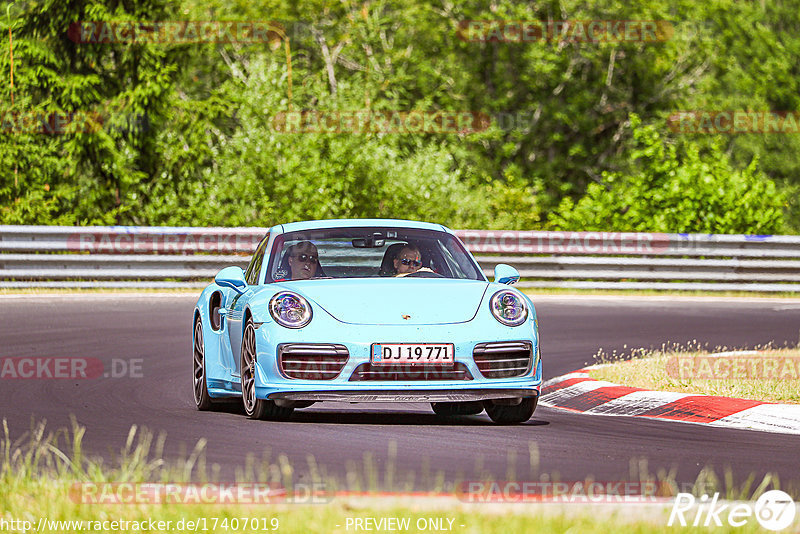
pixel 415 263
pixel 305 258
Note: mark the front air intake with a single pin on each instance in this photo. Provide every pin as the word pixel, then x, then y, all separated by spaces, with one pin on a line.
pixel 503 359
pixel 312 361
pixel 401 373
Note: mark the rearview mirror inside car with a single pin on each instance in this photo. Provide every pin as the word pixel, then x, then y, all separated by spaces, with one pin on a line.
pixel 376 240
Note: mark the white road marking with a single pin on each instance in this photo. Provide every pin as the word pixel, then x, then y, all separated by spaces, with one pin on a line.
pixel 637 402
pixel 766 417
pixel 568 376
pixel 552 399
pixel 782 418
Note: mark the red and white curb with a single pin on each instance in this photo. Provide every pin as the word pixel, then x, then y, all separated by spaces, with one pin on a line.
pixel 579 392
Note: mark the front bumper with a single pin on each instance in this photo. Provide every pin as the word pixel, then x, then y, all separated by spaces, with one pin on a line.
pixel 402 395
pixel 272 384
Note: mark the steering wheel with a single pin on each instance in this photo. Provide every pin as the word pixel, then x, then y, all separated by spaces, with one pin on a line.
pixel 424 273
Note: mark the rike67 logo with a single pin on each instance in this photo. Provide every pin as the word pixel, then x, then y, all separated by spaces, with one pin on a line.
pixel 774 510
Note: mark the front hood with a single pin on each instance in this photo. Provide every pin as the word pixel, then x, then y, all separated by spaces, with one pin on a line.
pixel 387 301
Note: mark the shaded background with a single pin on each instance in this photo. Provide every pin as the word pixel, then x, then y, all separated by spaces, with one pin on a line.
pixel 579 136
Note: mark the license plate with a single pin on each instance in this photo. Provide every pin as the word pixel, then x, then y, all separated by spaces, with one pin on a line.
pixel 413 354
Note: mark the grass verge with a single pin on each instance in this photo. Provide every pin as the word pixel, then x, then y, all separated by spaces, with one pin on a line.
pixel 767 374
pixel 39 474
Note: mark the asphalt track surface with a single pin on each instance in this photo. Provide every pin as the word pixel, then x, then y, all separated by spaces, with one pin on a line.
pixel 157 330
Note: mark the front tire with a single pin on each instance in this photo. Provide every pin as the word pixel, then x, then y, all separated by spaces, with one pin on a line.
pixel 454 409
pixel 511 415
pixel 253 407
pixel 201 397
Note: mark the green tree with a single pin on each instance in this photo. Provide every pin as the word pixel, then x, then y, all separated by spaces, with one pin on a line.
pixel 86 175
pixel 206 154
pixel 675 188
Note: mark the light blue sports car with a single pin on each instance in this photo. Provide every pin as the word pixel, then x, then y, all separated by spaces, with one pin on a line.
pixel 366 310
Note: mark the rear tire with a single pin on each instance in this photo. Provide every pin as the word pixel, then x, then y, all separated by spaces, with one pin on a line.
pixel 201 397
pixel 511 415
pixel 253 407
pixel 454 409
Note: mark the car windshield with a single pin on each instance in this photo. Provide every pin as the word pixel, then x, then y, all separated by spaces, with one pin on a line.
pixel 369 253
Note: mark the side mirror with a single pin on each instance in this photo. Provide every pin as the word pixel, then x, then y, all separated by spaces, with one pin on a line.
pixel 232 277
pixel 505 274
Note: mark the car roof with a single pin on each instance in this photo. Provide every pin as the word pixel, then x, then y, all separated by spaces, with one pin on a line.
pixel 356 223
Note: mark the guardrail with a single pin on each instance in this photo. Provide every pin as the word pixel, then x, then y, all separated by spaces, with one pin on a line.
pixel 123 256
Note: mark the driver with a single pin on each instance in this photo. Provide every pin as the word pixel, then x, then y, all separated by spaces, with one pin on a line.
pixel 303 260
pixel 408 260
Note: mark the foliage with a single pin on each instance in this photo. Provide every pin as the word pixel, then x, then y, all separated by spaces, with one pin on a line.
pixel 673 188
pixel 186 137
pixel 86 175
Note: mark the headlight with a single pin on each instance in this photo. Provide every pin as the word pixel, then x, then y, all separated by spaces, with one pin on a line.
pixel 508 308
pixel 290 310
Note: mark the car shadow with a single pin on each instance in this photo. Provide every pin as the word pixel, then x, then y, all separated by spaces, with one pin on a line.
pixel 228 406
pixel 354 416
pixel 386 418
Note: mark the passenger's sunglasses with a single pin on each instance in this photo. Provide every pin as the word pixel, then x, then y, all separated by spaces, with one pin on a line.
pixel 415 263
pixel 304 258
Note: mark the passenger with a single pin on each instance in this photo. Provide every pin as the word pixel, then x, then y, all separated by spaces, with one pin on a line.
pixel 303 260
